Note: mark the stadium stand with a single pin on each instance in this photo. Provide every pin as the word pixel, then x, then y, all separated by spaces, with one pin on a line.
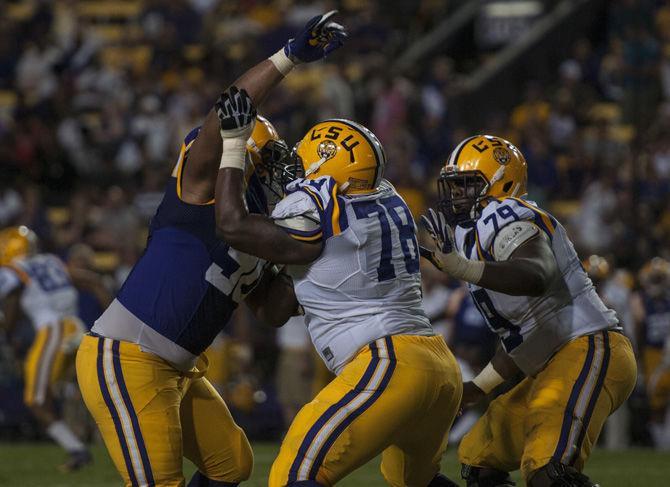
pixel 96 95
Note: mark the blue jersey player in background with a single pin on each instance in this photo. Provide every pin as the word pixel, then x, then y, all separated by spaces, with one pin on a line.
pixel 140 370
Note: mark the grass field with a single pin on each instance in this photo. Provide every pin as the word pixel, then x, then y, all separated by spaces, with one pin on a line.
pixel 34 465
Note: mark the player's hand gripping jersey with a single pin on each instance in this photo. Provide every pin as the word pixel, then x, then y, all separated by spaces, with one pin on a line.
pixel 366 283
pixel 532 329
pixel 187 283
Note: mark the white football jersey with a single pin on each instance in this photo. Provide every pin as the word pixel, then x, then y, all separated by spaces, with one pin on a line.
pixel 366 283
pixel 532 329
pixel 48 294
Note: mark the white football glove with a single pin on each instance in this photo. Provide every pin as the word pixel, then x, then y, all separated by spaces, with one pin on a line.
pixel 445 257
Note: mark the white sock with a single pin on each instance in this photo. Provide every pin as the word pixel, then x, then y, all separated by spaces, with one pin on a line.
pixel 62 435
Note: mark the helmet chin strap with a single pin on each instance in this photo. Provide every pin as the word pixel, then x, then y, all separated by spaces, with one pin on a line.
pixel 314 167
pixel 498 175
pixel 480 198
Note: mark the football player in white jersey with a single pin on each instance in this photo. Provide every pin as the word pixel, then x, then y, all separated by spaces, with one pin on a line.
pixel 528 282
pixel 651 310
pixel 397 385
pixel 39 286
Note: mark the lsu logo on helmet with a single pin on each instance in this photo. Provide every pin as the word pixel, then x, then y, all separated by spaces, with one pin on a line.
pixel 481 167
pixel 347 151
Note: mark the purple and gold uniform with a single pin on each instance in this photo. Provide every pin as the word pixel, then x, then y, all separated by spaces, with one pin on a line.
pixel 141 369
pixel 655 332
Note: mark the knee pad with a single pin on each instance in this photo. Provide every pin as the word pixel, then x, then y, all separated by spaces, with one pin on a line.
pixel 442 481
pixel 199 480
pixel 485 477
pixel 556 474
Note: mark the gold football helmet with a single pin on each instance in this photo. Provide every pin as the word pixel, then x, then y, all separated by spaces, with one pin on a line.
pixel 481 167
pixel 347 151
pixel 655 277
pixel 16 242
pixel 264 132
pixel 269 156
pixel 596 267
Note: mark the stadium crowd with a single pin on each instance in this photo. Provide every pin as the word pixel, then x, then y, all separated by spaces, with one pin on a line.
pixel 93 107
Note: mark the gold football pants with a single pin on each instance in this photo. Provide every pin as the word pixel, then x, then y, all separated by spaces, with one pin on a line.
pixel 657 377
pixel 398 396
pixel 151 415
pixel 49 356
pixel 559 413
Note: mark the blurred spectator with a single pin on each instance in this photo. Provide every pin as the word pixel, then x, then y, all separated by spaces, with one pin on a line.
pixel 591 226
pixel 93 289
pixel 611 75
pixel 533 112
pixel 93 112
pixel 542 172
pixel 115 217
pixel 436 292
pixel 665 72
pixel 472 341
pixel 562 124
pixel 294 367
pixel 11 205
pixel 641 56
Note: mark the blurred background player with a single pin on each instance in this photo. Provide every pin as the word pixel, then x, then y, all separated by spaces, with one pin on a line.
pixel 141 368
pixel 528 282
pixel 615 287
pixel 38 286
pixel 659 393
pixel 651 307
pixel 351 242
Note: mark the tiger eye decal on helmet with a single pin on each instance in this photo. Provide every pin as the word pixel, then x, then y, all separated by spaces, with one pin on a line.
pixel 480 167
pixel 347 151
pixel 327 149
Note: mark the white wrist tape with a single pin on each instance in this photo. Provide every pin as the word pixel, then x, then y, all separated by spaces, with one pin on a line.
pixel 282 62
pixel 488 379
pixel 234 153
pixel 462 268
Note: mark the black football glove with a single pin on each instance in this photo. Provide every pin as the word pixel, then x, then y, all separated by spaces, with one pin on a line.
pixel 236 112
